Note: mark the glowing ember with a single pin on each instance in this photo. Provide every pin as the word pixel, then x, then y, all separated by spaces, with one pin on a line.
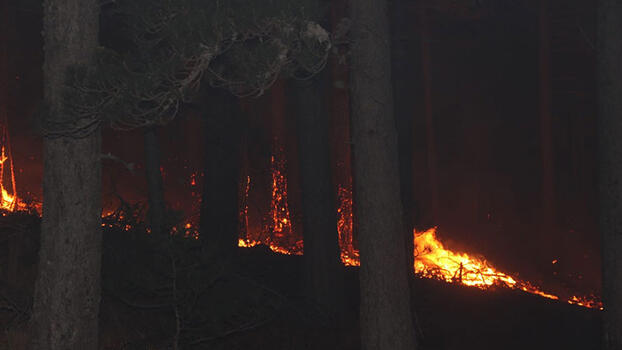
pixel 247 243
pixel 243 218
pixel 591 301
pixel 279 222
pixel 349 255
pixel 277 232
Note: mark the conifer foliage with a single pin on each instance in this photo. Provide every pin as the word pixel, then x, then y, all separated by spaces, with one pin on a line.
pixel 158 53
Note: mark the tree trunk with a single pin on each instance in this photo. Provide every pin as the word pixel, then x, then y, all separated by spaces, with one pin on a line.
pixel 4 60
pixel 609 51
pixel 6 15
pixel 223 155
pixel 341 141
pixel 429 117
pixel 546 136
pixel 323 271
pixel 67 291
pixel 402 81
pixel 154 182
pixel 386 321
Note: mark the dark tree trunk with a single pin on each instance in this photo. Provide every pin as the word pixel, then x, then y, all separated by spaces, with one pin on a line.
pixel 426 64
pixel 546 136
pixel 223 155
pixel 67 292
pixel 386 321
pixel 340 107
pixel 4 60
pixel 154 182
pixel 341 141
pixel 6 26
pixel 610 166
pixel 402 82
pixel 322 267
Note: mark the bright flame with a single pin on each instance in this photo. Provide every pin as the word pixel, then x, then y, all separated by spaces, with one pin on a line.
pixel 8 190
pixel 433 260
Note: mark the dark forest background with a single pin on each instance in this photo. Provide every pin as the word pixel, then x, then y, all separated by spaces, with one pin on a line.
pixel 484 80
pixel 495 109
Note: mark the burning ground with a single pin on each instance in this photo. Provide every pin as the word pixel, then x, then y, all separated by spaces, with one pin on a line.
pixel 255 303
pixel 462 299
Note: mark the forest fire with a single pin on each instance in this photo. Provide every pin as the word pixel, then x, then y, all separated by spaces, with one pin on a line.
pixel 279 222
pixel 431 258
pixel 277 230
pixel 238 175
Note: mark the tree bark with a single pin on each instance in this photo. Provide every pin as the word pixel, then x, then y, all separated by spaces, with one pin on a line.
pixel 154 182
pixel 322 266
pixel 67 292
pixel 609 52
pixel 220 210
pixel 386 318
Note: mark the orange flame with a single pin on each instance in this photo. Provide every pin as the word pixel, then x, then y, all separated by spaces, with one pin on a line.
pixel 277 232
pixel 8 190
pixel 349 255
pixel 279 222
pixel 431 258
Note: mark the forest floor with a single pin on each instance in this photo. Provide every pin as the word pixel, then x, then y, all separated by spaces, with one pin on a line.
pixel 256 303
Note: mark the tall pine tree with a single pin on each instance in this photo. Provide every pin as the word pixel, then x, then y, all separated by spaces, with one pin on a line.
pixel 610 166
pixel 67 291
pixel 386 318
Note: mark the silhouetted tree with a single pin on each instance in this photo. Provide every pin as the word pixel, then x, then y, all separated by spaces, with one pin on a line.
pixel 322 266
pixel 5 15
pixel 609 51
pixel 547 158
pixel 401 61
pixel 166 50
pixel 426 67
pixel 220 207
pixel 67 292
pixel 386 321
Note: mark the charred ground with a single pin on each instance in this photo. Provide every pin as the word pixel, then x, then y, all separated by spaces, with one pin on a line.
pixel 255 302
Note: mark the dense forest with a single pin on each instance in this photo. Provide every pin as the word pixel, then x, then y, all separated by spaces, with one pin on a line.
pixel 310 174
